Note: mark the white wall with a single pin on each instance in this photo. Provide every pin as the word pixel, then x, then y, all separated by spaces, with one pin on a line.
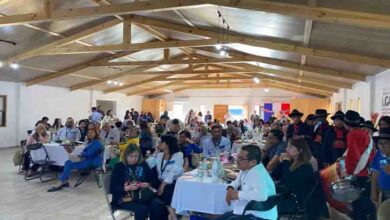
pixel 369 92
pixel 26 105
pixel 210 97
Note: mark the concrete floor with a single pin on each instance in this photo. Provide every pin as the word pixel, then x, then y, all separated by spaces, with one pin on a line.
pixel 28 200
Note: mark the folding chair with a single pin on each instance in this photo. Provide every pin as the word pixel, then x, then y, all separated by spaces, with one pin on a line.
pixel 105 180
pixel 44 164
pixel 23 148
pixel 267 205
pixel 94 170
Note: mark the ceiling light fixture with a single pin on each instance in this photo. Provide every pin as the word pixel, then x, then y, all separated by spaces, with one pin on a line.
pixel 218 46
pixel 121 84
pixel 109 82
pixel 256 80
pixel 115 83
pixel 168 91
pixel 222 53
pixel 1 64
pixel 14 66
pixel 266 90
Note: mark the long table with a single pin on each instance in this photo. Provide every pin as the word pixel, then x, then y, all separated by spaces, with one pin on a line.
pixel 199 195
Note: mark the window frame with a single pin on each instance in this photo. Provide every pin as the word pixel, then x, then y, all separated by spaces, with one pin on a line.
pixel 4 111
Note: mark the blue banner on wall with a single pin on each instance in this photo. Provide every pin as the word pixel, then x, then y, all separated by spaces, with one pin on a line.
pixel 267 111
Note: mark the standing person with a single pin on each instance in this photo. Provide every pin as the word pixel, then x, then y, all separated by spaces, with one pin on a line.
pixel 127 115
pixel 45 121
pixel 335 142
pixel 90 157
pixel 216 143
pixel 95 116
pixel 208 117
pixel 380 178
pixel 190 115
pixel 297 128
pixel 83 127
pixel 310 121
pixel 39 136
pixel 202 136
pixel 134 115
pixel 149 117
pixel 161 127
pixel 368 126
pixel 110 118
pixel 253 183
pixel 69 132
pixel 254 116
pixel 360 153
pixel 131 176
pixel 169 162
pixel 164 116
pixel 320 129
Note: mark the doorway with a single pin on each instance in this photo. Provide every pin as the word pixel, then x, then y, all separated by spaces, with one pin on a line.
pixel 107 105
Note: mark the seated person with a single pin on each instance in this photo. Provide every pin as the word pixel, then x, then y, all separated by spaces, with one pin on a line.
pixel 109 135
pixel 202 136
pixel 174 126
pixel 69 132
pixel 83 127
pixel 188 147
pixel 253 183
pixel 117 153
pixel 89 158
pixel 39 136
pixel 160 127
pixel 274 147
pixel 216 143
pixel 146 138
pixel 130 176
pixel 169 162
pixel 380 178
pixel 298 178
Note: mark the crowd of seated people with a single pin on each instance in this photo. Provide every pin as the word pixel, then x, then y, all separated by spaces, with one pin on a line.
pixel 294 154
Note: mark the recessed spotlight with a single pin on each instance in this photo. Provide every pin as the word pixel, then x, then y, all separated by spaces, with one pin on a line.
pixel 115 82
pixel 1 64
pixel 168 91
pixel 121 84
pixel 109 82
pixel 256 80
pixel 14 66
pixel 218 46
pixel 266 90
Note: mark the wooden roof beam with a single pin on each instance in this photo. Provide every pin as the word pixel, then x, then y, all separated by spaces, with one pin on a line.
pixel 266 42
pixel 98 11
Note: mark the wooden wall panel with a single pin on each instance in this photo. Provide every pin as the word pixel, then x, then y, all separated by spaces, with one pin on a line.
pixel 219 112
pixel 308 106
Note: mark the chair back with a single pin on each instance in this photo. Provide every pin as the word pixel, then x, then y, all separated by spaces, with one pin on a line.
pixel 35 146
pixel 263 206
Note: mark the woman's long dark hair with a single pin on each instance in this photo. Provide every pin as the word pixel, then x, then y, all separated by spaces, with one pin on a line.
pixel 171 141
pixel 304 152
pixel 97 136
pixel 131 148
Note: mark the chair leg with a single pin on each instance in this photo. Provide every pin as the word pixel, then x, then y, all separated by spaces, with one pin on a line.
pixel 45 169
pixel 95 174
pixel 82 178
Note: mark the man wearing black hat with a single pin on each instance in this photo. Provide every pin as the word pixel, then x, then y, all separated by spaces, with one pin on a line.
pixel 369 127
pixel 380 178
pixel 297 128
pixel 320 129
pixel 360 153
pixel 335 142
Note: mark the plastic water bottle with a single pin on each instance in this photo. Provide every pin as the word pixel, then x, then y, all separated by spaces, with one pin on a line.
pixel 215 171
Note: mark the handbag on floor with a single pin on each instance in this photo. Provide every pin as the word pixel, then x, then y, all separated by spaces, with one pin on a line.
pixel 18 158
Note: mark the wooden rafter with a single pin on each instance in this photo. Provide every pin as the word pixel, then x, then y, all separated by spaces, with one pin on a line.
pixel 132 47
pixel 72 69
pixel 156 78
pixel 266 43
pixel 65 41
pixel 96 11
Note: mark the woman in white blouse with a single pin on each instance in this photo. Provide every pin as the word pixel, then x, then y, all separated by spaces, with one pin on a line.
pixel 110 118
pixel 169 162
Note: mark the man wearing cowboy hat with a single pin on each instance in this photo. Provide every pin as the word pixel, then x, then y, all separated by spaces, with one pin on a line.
pixel 335 141
pixel 380 178
pixel 320 129
pixel 360 153
pixel 297 128
pixel 369 127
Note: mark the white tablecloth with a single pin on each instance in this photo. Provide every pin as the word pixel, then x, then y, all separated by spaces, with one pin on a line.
pixel 193 194
pixel 58 153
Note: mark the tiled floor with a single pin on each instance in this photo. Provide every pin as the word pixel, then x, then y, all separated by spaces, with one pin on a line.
pixel 21 200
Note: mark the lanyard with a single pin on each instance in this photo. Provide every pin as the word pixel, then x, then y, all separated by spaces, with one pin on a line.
pixel 162 168
pixel 217 144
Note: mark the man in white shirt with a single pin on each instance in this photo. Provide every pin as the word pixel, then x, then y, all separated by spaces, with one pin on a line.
pixel 95 116
pixel 215 144
pixel 252 183
pixel 108 135
pixel 69 132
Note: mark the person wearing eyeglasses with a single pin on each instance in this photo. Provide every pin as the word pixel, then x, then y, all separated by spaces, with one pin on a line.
pixel 252 183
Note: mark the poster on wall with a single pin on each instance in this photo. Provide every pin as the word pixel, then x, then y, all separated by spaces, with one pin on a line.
pixel 386 102
pixel 267 111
